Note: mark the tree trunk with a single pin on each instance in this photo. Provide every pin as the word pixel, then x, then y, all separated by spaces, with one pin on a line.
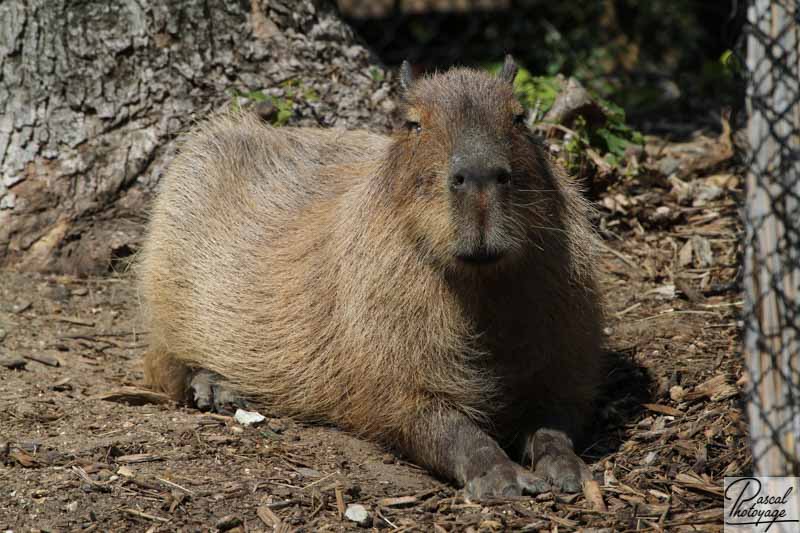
pixel 772 216
pixel 94 93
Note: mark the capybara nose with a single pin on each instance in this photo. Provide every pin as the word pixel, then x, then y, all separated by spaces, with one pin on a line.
pixel 476 177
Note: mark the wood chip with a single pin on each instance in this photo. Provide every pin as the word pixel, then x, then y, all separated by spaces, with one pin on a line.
pixel 45 359
pixel 562 521
pixel 593 494
pixel 134 512
pixel 692 481
pixel 134 396
pixel 663 409
pixel 716 389
pixel 685 254
pixel 269 517
pixel 138 458
pixel 340 506
pixel 23 458
pixel 398 502
pixel 74 320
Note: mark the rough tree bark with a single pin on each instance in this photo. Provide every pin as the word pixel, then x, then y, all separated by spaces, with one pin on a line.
pixel 94 93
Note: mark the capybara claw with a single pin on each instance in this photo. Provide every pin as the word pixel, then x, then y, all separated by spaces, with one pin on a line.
pixel 504 480
pixel 565 471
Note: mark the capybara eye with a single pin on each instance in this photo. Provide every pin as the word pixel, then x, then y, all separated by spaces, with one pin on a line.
pixel 519 119
pixel 413 126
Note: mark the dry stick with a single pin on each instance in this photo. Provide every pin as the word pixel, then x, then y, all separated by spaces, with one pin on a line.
pixel 382 517
pixel 320 480
pixel 316 511
pixel 340 502
pixel 44 359
pixel 175 486
pixel 140 514
pixel 282 504
pixel 619 255
pixel 620 314
pixel 73 320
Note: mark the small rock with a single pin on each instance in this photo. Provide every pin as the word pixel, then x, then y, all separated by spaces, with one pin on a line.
pixel 249 418
pixel 676 393
pixel 72 507
pixel 707 194
pixel 228 522
pixel 308 472
pixel 3 335
pixel 125 471
pixel 388 459
pixel 59 293
pixel 662 214
pixel 80 291
pixel 664 292
pixel 21 307
pixel 358 513
pixel 668 165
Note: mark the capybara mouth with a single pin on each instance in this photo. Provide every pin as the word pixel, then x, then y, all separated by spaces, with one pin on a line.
pixel 481 257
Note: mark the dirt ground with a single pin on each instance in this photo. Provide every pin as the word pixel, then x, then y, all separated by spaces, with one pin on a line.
pixel 74 456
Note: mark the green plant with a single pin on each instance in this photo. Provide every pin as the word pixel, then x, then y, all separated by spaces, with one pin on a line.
pixel 294 92
pixel 610 139
pixel 376 74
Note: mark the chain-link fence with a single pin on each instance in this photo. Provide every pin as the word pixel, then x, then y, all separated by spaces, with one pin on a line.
pixel 772 219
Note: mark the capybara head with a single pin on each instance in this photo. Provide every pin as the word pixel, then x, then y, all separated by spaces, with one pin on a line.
pixel 472 179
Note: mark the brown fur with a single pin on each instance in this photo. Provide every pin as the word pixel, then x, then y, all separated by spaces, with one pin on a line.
pixel 314 271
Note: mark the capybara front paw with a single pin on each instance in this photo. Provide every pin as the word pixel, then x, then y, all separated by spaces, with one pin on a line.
pixel 502 480
pixel 564 470
pixel 209 393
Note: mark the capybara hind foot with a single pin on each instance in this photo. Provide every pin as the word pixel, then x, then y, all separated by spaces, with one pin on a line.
pixel 505 478
pixel 209 392
pixel 555 460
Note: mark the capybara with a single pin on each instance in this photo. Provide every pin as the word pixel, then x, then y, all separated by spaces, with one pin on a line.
pixel 433 290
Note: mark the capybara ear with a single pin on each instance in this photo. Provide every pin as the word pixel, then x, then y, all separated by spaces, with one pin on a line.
pixel 509 71
pixel 406 76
